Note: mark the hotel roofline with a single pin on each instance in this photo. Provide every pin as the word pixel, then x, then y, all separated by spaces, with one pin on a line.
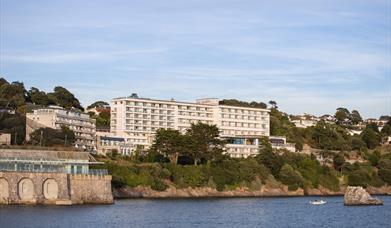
pixel 187 103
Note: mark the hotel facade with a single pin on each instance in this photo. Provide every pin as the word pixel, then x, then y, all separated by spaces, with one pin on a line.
pixel 54 117
pixel 137 119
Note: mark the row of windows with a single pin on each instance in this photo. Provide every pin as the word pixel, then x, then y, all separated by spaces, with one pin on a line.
pixel 198 114
pixel 242 117
pixel 189 121
pixel 242 111
pixel 245 125
pixel 146 128
pixel 233 132
pixel 150 111
pixel 153 117
pixel 75 122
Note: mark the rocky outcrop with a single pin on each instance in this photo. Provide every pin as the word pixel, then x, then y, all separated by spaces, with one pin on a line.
pixel 146 192
pixel 356 196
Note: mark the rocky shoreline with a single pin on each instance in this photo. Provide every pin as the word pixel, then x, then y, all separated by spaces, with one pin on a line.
pixel 206 192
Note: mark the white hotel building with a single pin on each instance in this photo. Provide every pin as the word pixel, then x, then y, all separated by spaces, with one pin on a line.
pixel 137 120
pixel 55 117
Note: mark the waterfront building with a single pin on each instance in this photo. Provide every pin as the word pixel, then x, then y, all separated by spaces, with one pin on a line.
pixel 56 117
pixel 137 119
pixel 52 177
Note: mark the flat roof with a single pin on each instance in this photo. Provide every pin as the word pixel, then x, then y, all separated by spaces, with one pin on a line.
pixel 187 103
pixel 44 154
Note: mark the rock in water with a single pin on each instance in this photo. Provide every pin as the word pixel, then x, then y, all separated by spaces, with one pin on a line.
pixel 356 196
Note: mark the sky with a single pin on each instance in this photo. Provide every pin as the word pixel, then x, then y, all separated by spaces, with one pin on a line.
pixel 309 56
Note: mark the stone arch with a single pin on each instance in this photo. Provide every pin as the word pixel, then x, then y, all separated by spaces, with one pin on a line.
pixel 50 189
pixel 26 189
pixel 4 190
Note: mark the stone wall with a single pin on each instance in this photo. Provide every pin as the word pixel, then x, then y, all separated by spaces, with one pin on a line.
pixel 90 189
pixel 53 188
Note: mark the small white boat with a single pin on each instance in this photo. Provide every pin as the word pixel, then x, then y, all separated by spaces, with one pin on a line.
pixel 318 202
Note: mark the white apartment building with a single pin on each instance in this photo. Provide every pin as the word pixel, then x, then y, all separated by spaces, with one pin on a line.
pixel 137 120
pixel 55 117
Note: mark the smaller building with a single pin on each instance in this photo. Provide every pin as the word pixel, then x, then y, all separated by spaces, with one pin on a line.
pixel 108 143
pixel 279 142
pixel 52 177
pixel 304 121
pixel 55 117
pixel 5 139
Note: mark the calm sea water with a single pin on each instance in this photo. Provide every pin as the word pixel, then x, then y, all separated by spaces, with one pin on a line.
pixel 240 212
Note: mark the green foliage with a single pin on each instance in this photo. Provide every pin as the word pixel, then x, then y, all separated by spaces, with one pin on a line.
pixel 53 137
pixel 269 159
pixel 184 176
pixel 338 160
pixel 359 177
pixel 14 124
pixel 371 136
pixel 290 177
pixel 386 130
pixel 202 142
pixel 385 170
pixel 341 115
pixel 12 95
pixel 330 137
pixel 62 97
pixel 98 104
pixel 374 158
pixel 38 97
pixel 170 143
pixel 234 102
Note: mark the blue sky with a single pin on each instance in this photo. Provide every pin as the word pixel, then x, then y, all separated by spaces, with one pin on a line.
pixel 310 56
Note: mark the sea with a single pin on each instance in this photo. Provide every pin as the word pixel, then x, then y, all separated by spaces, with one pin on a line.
pixel 215 212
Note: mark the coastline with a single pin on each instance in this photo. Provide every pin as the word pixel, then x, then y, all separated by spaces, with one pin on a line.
pixel 206 192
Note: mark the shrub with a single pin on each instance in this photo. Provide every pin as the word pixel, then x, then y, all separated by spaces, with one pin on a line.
pixel 359 178
pixel 291 177
pixel 385 170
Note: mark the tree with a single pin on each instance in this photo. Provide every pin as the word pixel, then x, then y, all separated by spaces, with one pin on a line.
pixel 64 98
pixel 38 97
pixel 371 138
pixel 169 143
pixel 385 170
pixel 53 137
pixel 272 161
pixel 203 142
pixel 98 104
pixel 358 143
pixel 290 177
pixel 273 104
pixel 338 161
pixel 235 102
pixel 341 115
pixel 359 178
pixel 12 95
pixel 355 117
pixel 386 130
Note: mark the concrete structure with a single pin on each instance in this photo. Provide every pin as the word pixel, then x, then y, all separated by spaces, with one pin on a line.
pixel 279 142
pixel 5 139
pixel 51 177
pixel 137 120
pixel 108 143
pixel 55 117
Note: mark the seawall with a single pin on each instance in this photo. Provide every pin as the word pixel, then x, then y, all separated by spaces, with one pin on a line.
pixel 54 188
